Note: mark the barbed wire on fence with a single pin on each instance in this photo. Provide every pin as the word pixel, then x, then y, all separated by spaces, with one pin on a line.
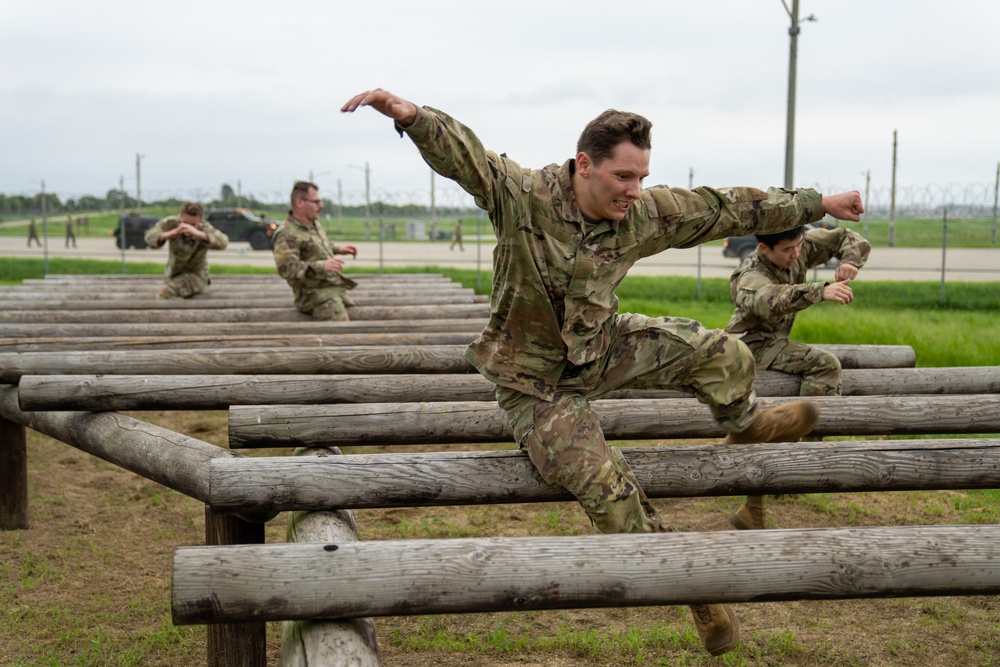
pixel 928 200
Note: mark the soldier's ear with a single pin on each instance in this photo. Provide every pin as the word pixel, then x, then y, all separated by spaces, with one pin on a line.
pixel 584 164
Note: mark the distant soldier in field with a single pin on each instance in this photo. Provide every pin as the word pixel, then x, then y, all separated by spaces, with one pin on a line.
pixel 190 237
pixel 70 232
pixel 33 233
pixel 567 235
pixel 768 290
pixel 458 237
pixel 306 259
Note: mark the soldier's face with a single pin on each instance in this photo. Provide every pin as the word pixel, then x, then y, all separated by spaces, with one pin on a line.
pixel 609 188
pixel 785 253
pixel 307 208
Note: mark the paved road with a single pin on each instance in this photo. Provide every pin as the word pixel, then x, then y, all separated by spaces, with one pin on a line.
pixel 885 263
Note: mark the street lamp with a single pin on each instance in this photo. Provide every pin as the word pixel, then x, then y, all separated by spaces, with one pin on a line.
pixel 793 33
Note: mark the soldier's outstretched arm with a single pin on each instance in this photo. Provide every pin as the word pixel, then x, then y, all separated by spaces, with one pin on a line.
pixel 400 110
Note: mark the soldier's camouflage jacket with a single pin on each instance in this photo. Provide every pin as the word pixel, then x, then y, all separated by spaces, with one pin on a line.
pixel 767 298
pixel 187 254
pixel 553 299
pixel 299 252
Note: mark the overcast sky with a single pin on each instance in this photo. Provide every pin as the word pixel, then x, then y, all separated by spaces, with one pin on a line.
pixel 213 92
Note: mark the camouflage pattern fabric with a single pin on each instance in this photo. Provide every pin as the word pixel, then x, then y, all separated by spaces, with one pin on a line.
pixel 563 436
pixel 553 290
pixel 187 270
pixel 299 252
pixel 767 299
pixel 555 340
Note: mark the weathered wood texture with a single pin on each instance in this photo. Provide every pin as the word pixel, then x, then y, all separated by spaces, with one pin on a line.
pixel 344 642
pixel 634 419
pixel 409 577
pixel 150 302
pixel 215 392
pixel 249 361
pixel 31 330
pixel 286 314
pixel 13 476
pixel 137 278
pixel 166 457
pixel 215 293
pixel 235 644
pixel 65 344
pixel 436 359
pixel 363 481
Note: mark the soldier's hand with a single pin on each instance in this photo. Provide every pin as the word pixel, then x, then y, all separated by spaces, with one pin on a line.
pixel 349 249
pixel 845 272
pixel 840 292
pixel 844 206
pixel 400 110
pixel 333 265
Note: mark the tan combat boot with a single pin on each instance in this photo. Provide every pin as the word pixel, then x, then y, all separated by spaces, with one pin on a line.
pixel 750 516
pixel 717 626
pixel 785 423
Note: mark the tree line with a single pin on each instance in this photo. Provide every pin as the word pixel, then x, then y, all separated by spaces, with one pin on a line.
pixel 115 199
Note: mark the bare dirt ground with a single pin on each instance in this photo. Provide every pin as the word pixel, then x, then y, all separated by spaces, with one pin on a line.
pixel 89 582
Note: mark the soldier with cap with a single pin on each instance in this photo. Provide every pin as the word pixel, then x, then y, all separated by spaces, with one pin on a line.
pixel 566 237
pixel 190 238
pixel 307 260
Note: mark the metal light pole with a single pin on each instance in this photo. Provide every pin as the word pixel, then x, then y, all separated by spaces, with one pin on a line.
pixel 45 231
pixel 138 191
pixel 996 195
pixel 793 51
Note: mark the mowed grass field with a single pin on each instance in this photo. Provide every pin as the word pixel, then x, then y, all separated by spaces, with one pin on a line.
pixel 88 584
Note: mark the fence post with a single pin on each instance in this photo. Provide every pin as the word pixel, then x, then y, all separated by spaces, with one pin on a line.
pixel 13 476
pixel 235 644
pixel 944 251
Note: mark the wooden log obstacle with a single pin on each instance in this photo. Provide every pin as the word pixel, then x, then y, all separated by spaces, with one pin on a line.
pixel 221 584
pixel 219 392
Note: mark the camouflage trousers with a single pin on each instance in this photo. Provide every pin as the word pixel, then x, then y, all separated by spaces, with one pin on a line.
pixel 333 308
pixel 183 285
pixel 563 437
pixel 819 369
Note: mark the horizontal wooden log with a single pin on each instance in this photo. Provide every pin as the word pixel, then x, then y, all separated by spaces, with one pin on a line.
pixel 248 361
pixel 411 577
pixel 219 392
pixel 171 459
pixel 87 278
pixel 217 293
pixel 151 302
pixel 14 330
pixel 243 314
pixel 364 481
pixel 636 419
pixel 68 343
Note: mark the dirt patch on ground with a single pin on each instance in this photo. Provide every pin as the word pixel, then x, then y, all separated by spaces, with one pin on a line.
pixel 89 582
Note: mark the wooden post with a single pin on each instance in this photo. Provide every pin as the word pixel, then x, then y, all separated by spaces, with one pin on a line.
pixel 342 642
pixel 242 644
pixel 13 476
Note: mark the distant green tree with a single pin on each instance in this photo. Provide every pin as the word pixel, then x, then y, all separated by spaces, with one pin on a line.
pixel 227 196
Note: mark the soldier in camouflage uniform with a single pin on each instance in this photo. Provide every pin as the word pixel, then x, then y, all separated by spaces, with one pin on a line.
pixel 190 237
pixel 566 237
pixel 308 261
pixel 769 289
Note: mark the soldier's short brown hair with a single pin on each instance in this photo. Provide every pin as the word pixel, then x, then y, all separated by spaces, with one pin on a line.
pixel 603 134
pixel 192 208
pixel 301 190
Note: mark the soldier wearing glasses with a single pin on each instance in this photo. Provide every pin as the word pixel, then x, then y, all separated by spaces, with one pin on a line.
pixel 306 259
